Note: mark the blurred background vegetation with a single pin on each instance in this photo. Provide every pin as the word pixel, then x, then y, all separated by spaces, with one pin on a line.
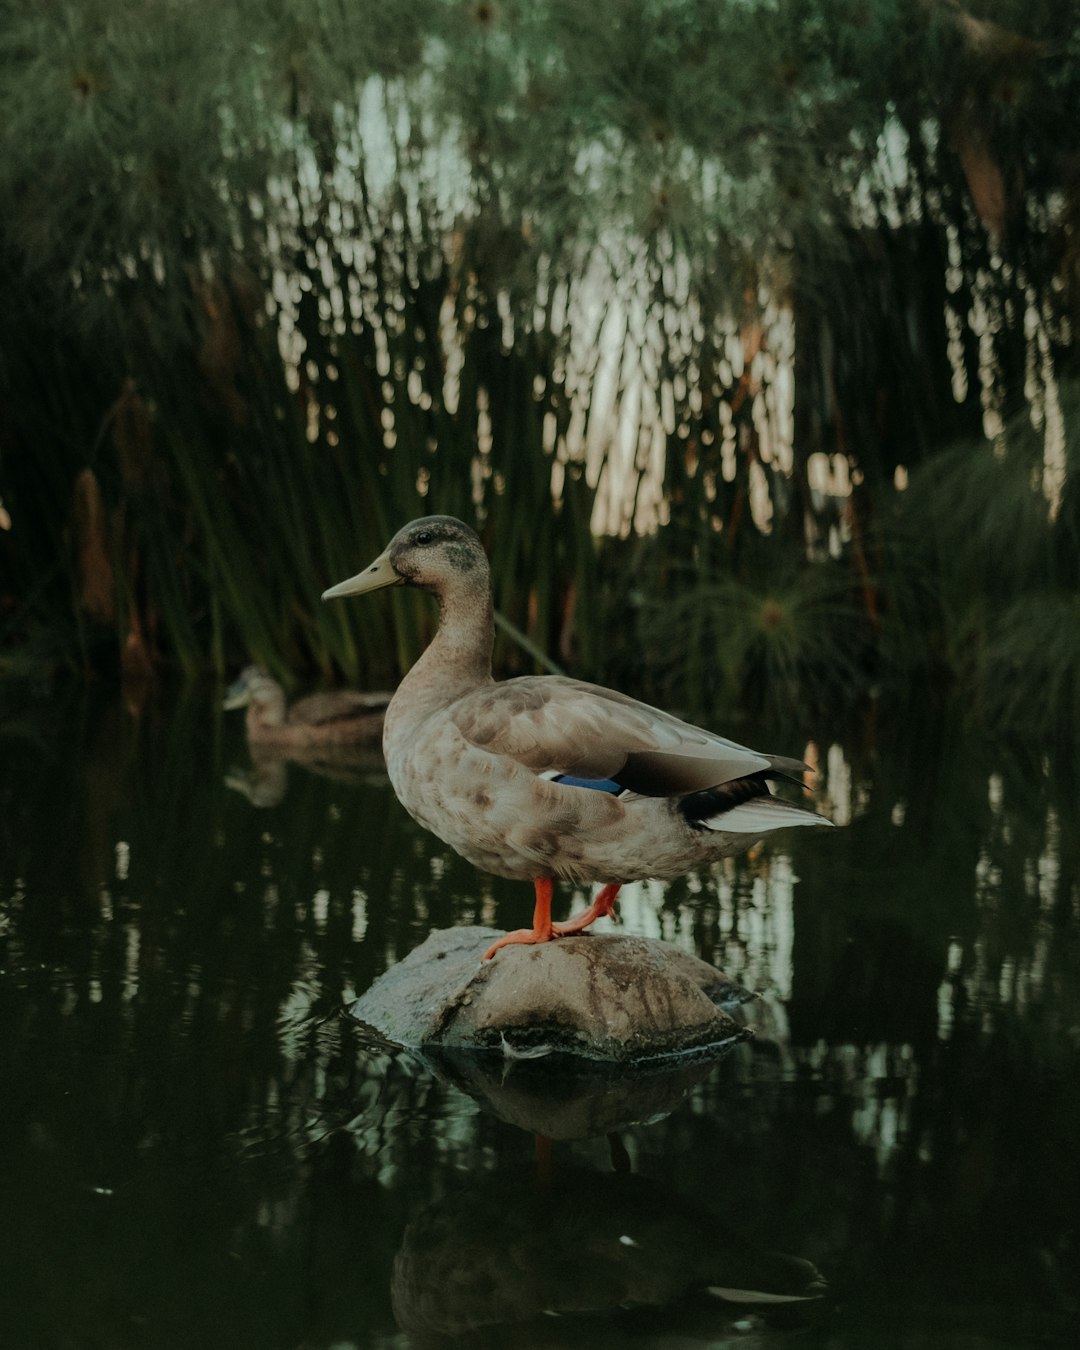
pixel 743 332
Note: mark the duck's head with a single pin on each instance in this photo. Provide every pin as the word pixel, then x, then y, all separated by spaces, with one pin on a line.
pixel 256 690
pixel 254 684
pixel 435 553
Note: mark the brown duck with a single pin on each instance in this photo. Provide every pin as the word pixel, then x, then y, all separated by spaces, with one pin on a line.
pixel 336 717
pixel 546 777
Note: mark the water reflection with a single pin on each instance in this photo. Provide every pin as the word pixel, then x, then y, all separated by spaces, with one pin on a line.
pixel 206 1151
pixel 515 1247
pixel 558 1100
pixel 265 779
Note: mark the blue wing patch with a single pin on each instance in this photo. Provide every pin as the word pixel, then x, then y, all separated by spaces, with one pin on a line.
pixel 597 784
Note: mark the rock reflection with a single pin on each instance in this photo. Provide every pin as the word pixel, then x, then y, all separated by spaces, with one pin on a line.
pixel 561 1102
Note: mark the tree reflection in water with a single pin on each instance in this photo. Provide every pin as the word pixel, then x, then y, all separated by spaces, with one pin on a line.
pixel 198 1146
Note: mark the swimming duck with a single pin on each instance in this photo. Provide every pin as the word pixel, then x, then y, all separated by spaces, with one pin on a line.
pixel 546 777
pixel 336 717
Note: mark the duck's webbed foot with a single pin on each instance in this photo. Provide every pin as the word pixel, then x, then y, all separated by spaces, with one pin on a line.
pixel 543 930
pixel 528 936
pixel 601 908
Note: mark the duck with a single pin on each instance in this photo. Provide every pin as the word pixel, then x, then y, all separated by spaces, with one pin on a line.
pixel 335 717
pixel 547 778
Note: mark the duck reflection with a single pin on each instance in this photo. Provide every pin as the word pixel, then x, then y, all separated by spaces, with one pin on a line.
pixel 265 780
pixel 511 1247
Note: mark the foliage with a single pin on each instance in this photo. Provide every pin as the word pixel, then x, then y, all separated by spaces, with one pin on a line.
pixel 281 275
pixel 768 639
pixel 1000 533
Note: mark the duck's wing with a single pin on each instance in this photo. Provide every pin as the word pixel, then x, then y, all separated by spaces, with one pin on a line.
pixel 550 723
pixel 335 705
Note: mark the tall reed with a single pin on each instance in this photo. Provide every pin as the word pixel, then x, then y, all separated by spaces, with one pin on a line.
pixel 282 277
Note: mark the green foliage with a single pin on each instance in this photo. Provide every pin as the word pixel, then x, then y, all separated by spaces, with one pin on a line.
pixel 998 533
pixel 768 636
pixel 1027 673
pixel 281 275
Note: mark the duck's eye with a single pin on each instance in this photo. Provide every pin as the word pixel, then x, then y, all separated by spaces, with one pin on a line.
pixel 424 537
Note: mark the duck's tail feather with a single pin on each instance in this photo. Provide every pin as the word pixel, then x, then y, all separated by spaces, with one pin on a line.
pixel 759 815
pixel 745 806
pixel 788 770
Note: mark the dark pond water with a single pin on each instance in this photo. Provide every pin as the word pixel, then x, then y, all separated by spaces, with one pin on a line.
pixel 196 1149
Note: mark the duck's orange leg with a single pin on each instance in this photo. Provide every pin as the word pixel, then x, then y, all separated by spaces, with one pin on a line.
pixel 543 930
pixel 601 908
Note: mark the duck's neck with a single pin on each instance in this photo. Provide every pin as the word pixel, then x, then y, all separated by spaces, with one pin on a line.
pixel 266 710
pixel 458 660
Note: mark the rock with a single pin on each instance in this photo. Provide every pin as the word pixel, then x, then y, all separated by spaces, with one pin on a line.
pixel 607 997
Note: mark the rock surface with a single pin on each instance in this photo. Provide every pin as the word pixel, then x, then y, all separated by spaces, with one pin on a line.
pixel 606 997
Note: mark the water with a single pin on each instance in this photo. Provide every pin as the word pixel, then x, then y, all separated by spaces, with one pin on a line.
pixel 198 1149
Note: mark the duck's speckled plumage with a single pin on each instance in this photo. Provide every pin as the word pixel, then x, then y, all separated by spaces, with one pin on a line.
pixel 473 760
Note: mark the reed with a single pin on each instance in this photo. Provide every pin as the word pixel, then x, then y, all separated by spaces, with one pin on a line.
pixel 271 297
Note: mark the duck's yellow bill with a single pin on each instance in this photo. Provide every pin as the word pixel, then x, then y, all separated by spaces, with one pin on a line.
pixel 373 578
